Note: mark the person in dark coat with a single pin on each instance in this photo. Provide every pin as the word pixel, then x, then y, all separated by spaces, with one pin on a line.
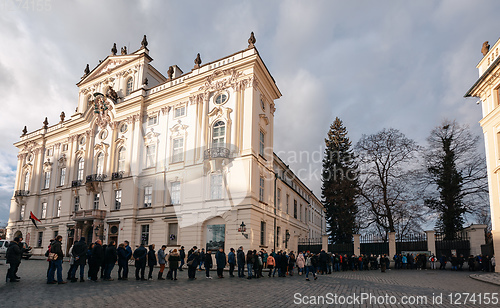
pixel 140 256
pixel 110 258
pixel 129 255
pixel 240 257
pixel 208 263
pixel 323 256
pixel 103 264
pixel 221 259
pixel 123 258
pixel 250 261
pixel 173 263
pixel 151 260
pixel 96 259
pixel 193 261
pixel 231 259
pixel 80 255
pixel 182 255
pixel 56 264
pixel 13 256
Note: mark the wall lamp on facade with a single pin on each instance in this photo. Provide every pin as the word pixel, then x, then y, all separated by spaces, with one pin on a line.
pixel 243 229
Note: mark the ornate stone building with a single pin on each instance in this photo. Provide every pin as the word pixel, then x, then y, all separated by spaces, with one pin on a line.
pixel 487 89
pixel 185 159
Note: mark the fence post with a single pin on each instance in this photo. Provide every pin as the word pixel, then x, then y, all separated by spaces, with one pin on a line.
pixel 357 245
pixel 392 244
pixel 475 233
pixel 431 242
pixel 324 242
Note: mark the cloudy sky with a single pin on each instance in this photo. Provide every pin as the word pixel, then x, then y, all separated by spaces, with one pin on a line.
pixel 374 64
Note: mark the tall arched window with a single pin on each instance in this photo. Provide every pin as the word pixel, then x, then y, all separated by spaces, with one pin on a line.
pixel 219 133
pixel 81 164
pixel 121 159
pixel 130 86
pixel 100 164
pixel 27 181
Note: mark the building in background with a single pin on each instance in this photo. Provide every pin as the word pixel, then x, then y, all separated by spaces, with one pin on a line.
pixel 185 159
pixel 487 89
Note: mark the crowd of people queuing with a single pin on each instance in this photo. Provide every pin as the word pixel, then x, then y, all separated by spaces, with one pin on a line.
pixel 101 260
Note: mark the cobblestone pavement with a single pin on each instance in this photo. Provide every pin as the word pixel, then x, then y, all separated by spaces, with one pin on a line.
pixel 33 291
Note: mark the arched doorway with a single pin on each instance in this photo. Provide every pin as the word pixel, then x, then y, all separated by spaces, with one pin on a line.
pixel 215 234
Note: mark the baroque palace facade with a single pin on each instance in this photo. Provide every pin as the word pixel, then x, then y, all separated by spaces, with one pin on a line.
pixel 185 159
pixel 487 89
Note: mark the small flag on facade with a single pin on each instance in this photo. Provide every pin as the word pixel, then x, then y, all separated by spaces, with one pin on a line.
pixel 33 218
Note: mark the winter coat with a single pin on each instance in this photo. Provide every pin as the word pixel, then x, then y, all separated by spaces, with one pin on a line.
pixel 129 252
pixel 195 257
pixel 80 253
pixel 14 253
pixel 161 256
pixel 208 260
pixel 110 255
pixel 240 256
pixel 122 255
pixel 270 261
pixel 173 261
pixel 250 258
pixel 301 262
pixel 140 256
pixel 97 255
pixel 231 258
pixel 221 259
pixel 151 256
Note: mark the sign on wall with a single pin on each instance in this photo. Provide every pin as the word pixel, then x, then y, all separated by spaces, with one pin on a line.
pixel 216 235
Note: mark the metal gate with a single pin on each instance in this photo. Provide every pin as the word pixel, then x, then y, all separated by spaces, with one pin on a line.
pixel 313 245
pixel 371 244
pixel 343 249
pixel 411 242
pixel 460 244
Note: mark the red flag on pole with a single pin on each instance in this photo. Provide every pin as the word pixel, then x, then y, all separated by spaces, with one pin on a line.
pixel 33 218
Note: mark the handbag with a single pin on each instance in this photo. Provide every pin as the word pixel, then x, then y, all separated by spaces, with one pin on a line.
pixel 52 256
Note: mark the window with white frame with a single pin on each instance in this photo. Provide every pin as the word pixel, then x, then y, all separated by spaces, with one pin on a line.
pixel 150 155
pixel 175 192
pixel 76 204
pixel 81 165
pixel 261 189
pixel 148 196
pixel 27 181
pixel 22 210
pixel 294 208
pixel 145 235
pixel 261 143
pixel 47 179
pixel 99 168
pixel 180 111
pixel 39 241
pixel 62 176
pixel 279 198
pixel 178 150
pixel 216 186
pixel 172 233
pixel 287 202
pixel 152 120
pixel 96 201
pixel 50 152
pixel 118 199
pixel 262 233
pixel 44 210
pixel 121 159
pixel 278 234
pixel 219 134
pixel 58 208
pixel 65 147
pixel 130 86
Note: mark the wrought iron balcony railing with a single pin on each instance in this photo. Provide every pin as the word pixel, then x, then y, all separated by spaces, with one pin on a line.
pixel 95 178
pixel 117 175
pixel 21 193
pixel 76 183
pixel 218 152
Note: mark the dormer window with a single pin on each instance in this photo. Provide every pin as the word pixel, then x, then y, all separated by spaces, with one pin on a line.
pixel 130 86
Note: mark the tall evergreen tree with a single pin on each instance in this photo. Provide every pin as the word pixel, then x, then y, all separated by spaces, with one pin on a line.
pixel 340 184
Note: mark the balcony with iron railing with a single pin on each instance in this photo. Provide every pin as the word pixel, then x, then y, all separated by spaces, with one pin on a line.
pixel 89 215
pixel 117 175
pixel 76 183
pixel 95 178
pixel 21 193
pixel 216 152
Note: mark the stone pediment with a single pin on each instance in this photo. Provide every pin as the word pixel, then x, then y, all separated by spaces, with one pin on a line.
pixel 109 66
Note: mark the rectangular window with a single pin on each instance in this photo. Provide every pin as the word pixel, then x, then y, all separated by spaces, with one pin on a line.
pixel 216 186
pixel 22 211
pixel 180 111
pixel 261 144
pixel 150 155
pixel 77 204
pixel 96 201
pixel 262 233
pixel 145 235
pixel 65 147
pixel 148 196
pixel 62 176
pixel 279 198
pixel 39 241
pixel 178 150
pixel 56 233
pixel 50 152
pixel 172 234
pixel 261 190
pixel 118 199
pixel 300 213
pixel 153 120
pixel 295 209
pixel 278 231
pixel 47 180
pixel 44 210
pixel 287 202
pixel 58 208
pixel 175 193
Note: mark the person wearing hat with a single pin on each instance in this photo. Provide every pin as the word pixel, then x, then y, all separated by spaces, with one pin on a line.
pixel 13 256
